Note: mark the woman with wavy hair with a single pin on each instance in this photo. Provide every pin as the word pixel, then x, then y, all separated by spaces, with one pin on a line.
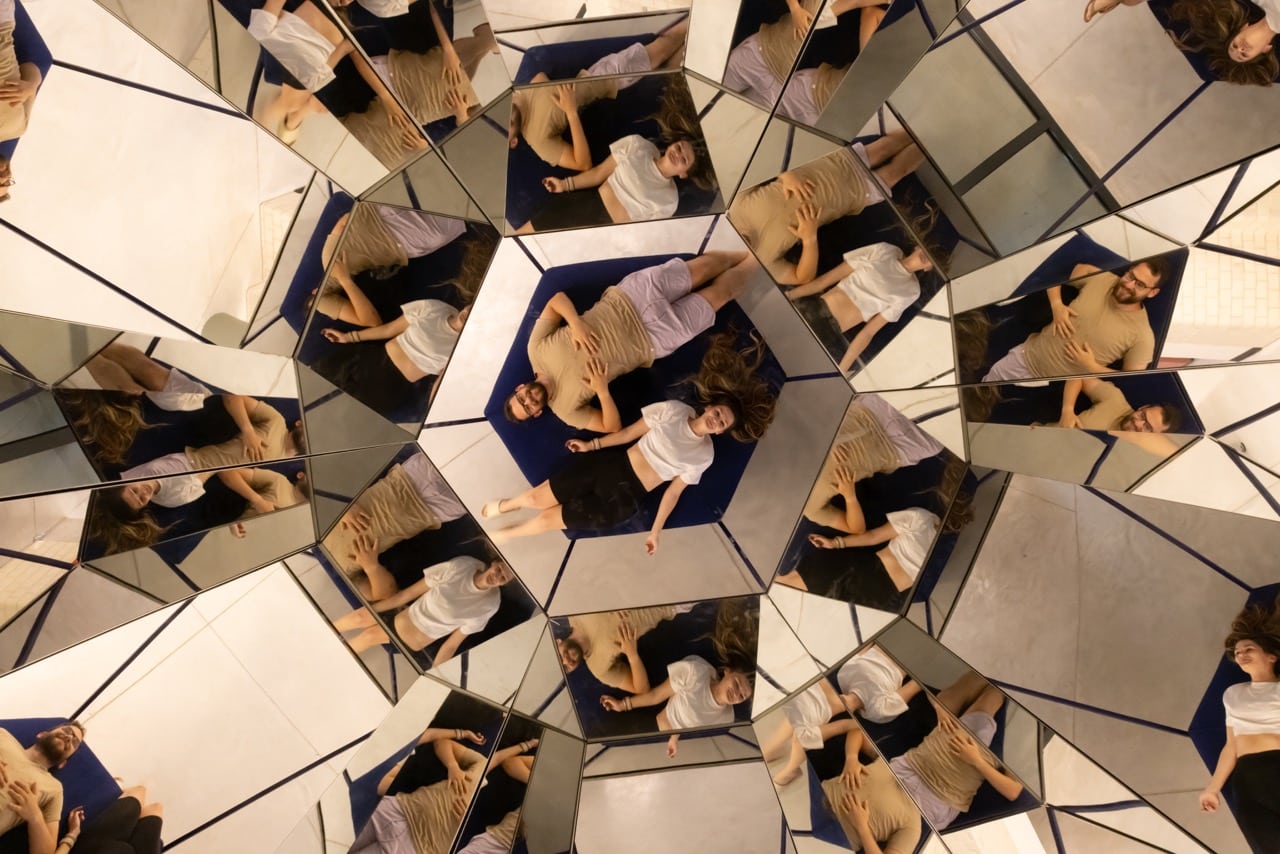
pixel 607 481
pixel 1238 40
pixel 637 181
pixel 1251 756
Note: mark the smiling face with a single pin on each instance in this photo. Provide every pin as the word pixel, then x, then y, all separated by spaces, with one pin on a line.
pixel 136 496
pixel 679 158
pixel 495 574
pixel 733 688
pixel 527 401
pixel 570 654
pixel 1138 284
pixel 716 419
pixel 1145 419
pixel 1254 660
pixel 1251 42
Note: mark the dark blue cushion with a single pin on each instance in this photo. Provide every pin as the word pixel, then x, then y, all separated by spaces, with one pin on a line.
pixel 538 447
pixel 28 46
pixel 310 272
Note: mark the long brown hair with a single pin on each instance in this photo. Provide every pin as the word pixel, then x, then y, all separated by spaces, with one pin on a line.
pixel 116 526
pixel 677 118
pixel 1211 26
pixel 737 633
pixel 1260 624
pixel 107 421
pixel 728 377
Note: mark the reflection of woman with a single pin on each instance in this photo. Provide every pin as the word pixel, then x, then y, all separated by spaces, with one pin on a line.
pixel 1251 756
pixel 871 287
pixel 425 820
pixel 129 825
pixel 18 84
pixel 386 376
pixel 808 722
pixel 835 185
pixel 453 599
pixel 696 695
pixel 636 181
pixel 119 519
pixel 382 239
pixel 409 499
pixel 945 771
pixel 1237 39
pixel 874 438
pixel 607 643
pixel 606 483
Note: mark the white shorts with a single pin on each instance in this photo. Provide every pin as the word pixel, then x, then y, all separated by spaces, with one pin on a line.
pixel 797 97
pixel 432 489
pixel 748 74
pixel 1012 367
pixel 633 59
pixel 386 832
pixel 670 312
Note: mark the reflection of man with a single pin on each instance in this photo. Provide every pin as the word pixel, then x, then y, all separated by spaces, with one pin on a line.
pixel 646 316
pixel 542 114
pixel 1112 412
pixel 32 795
pixel 1105 323
pixel 607 643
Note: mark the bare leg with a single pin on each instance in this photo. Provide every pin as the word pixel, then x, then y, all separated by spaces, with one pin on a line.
pixel 777 745
pixel 551 519
pixel 886 146
pixel 708 265
pixel 527 228
pixel 370 637
pixel 869 18
pixel 961 693
pixel 664 46
pixel 111 376
pixel 731 283
pixel 900 165
pixel 155 809
pixel 138 793
pixel 472 49
pixel 147 371
pixel 539 497
pixel 989 701
pixel 360 618
pixel 288 110
pixel 795 762
pixel 791 579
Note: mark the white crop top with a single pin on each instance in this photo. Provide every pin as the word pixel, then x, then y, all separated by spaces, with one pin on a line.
pixel 670 446
pixel 386 8
pixel 638 184
pixel 875 678
pixel 296 45
pixel 1253 708
pixel 692 703
pixel 429 339
pixel 878 283
pixel 916 528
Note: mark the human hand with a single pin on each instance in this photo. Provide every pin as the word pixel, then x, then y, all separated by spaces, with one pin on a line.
pixel 15 92
pixel 398 118
pixel 613 704
pixel 237 530
pixel 806 227
pixel 1062 325
pixel 566 97
pixel 471 736
pixel 1082 354
pixel 628 641
pixel 597 376
pixel 555 185
pixel 457 780
pixel 651 543
pixel 24 799
pixel 673 746
pixel 801 19
pixel 74 819
pixel 364 549
pixel 584 338
pixel 853 773
pixel 456 101
pixel 262 505
pixel 1209 800
pixel 858 811
pixel 253 446
pixel 452 67
pixel 794 187
pixel 336 336
pixel 1069 419
pixel 964 747
pixel 579 446
pixel 820 542
pixel 458 804
pixel 842 479
pixel 340 269
pixel 356 520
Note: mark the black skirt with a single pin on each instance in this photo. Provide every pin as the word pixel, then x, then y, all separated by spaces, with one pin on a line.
pixel 598 490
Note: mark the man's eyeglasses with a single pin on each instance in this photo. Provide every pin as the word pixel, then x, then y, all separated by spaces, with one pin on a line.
pixel 1132 279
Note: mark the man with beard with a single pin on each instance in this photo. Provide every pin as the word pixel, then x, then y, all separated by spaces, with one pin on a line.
pixel 646 316
pixel 1105 323
pixel 31 794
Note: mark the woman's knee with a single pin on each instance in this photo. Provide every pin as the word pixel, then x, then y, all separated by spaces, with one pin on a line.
pixel 155 810
pixel 138 793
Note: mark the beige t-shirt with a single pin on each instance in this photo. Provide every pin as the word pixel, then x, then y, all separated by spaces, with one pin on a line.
pixel 1113 334
pixel 893 818
pixel 272 486
pixel 396 513
pixel 267 423
pixel 778 43
pixel 13 120
pixel 950 777
pixel 429 811
pixel 605 659
pixel 542 123
pixel 19 768
pixel 1109 408
pixel 764 217
pixel 624 347
pixel 825 83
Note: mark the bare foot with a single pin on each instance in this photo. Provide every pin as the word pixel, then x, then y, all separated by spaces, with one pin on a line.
pixel 785 776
